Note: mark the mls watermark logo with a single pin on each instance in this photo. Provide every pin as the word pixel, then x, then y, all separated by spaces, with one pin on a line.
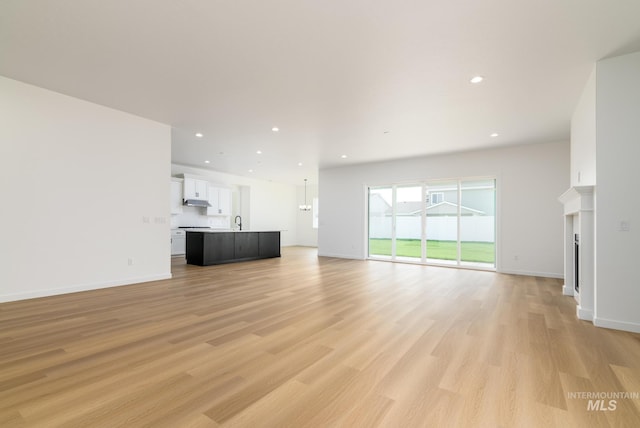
pixel 602 405
pixel 603 401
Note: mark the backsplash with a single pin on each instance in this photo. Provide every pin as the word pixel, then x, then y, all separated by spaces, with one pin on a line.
pixel 194 216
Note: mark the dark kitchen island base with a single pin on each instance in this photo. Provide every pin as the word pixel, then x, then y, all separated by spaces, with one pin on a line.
pixel 206 248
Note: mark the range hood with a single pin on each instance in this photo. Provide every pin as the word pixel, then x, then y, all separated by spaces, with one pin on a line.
pixel 196 203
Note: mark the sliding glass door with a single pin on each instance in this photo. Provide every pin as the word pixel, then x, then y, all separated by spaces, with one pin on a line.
pixel 477 222
pixel 408 221
pixel 381 222
pixel 442 222
pixel 448 222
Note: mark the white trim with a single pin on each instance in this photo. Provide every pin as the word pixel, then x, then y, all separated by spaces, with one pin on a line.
pixel 578 206
pixel 340 256
pixel 438 265
pixel 81 287
pixel 423 224
pixel 394 219
pixel 584 314
pixel 365 235
pixel 616 325
pixel 576 199
pixel 567 290
pixel 459 228
pixel 531 273
pixel 497 226
pixel 441 197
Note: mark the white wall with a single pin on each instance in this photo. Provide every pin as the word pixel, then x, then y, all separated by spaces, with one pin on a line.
pixel 84 189
pixel 529 180
pixel 583 137
pixel 307 235
pixel 272 206
pixel 617 289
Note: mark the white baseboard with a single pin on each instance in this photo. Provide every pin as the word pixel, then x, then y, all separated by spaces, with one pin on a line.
pixel 567 290
pixel 80 287
pixel 584 314
pixel 511 272
pixel 339 256
pixel 616 325
pixel 532 273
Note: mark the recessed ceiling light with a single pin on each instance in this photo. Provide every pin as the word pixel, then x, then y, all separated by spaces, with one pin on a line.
pixel 250 170
pixel 259 152
pixel 495 134
pixel 343 156
pixel 275 129
pixel 199 135
pixel 476 79
pixel 299 163
pixel 206 161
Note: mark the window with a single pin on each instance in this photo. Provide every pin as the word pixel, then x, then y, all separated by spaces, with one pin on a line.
pixel 380 221
pixel 448 222
pixel 435 198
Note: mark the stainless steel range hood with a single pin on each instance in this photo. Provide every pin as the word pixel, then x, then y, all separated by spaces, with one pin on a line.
pixel 196 203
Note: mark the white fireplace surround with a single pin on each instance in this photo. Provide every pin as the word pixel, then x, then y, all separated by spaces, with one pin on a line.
pixel 579 211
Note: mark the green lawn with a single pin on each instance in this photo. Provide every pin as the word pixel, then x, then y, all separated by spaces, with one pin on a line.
pixel 483 252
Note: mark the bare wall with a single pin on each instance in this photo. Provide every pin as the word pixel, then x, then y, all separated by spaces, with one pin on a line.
pixel 617 288
pixel 583 137
pixel 529 180
pixel 85 192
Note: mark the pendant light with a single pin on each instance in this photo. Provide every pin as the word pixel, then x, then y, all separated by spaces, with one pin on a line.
pixel 305 207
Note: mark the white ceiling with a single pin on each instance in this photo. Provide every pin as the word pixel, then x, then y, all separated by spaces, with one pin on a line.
pixel 334 76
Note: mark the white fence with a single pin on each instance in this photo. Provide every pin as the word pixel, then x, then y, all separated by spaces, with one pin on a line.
pixel 472 228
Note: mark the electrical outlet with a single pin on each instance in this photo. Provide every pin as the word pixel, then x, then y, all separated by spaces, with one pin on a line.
pixel 624 226
pixel 130 261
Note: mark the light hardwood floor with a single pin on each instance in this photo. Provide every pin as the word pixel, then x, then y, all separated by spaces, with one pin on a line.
pixel 305 341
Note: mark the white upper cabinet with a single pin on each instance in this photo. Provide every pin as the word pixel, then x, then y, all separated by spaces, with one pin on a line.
pixel 220 201
pixel 176 196
pixel 195 189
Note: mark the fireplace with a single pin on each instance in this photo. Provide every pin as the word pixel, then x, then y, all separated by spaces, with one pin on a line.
pixel 576 262
pixel 579 250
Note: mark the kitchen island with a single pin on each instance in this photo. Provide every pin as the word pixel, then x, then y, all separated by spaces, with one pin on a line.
pixel 211 247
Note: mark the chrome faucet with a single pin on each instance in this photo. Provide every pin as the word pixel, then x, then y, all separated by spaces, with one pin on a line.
pixel 238 223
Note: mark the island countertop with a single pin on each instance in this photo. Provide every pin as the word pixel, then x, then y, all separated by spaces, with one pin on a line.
pixel 209 230
pixel 216 246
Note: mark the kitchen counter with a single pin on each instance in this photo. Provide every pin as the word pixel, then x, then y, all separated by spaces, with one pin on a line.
pixel 214 246
pixel 209 230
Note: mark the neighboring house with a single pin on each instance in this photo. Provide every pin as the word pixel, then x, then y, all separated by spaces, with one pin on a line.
pixel 413 208
pixel 377 205
pixel 479 198
pixel 407 208
pixel 450 209
pixel 477 215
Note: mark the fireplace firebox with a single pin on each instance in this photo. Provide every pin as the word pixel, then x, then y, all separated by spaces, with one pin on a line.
pixel 576 261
